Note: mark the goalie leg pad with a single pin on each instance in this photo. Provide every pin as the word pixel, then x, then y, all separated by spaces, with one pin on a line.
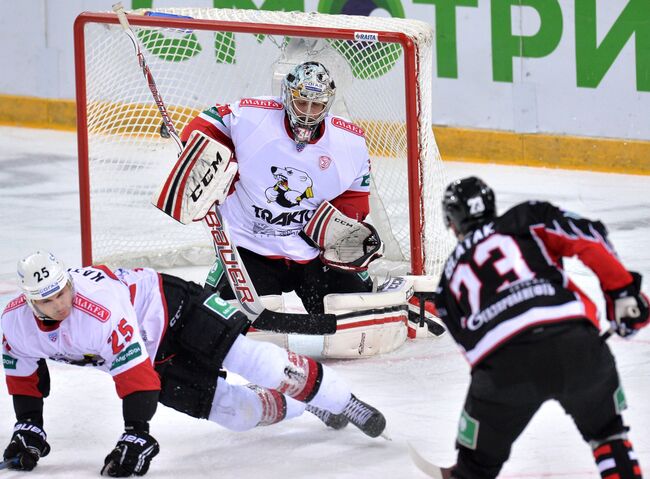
pixel 369 323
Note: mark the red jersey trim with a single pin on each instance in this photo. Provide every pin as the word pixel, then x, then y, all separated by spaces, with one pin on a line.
pixel 142 377
pixel 15 303
pixel 24 385
pixel 107 270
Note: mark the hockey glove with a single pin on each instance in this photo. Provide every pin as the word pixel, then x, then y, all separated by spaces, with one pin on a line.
pixel 132 454
pixel 346 244
pixel 627 308
pixel 28 444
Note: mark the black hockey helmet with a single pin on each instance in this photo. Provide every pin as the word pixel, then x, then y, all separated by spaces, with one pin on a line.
pixel 468 203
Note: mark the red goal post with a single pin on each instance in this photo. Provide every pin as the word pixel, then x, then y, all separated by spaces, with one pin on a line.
pixel 383 69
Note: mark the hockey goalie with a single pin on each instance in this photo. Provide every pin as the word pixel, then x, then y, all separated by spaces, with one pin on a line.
pixel 297 223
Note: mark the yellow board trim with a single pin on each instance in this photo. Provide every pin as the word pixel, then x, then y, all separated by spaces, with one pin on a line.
pixel 455 144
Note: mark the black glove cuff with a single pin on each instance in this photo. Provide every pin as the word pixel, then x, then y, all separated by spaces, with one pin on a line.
pixel 632 289
pixel 136 426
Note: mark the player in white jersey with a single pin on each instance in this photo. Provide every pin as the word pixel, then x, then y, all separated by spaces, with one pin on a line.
pixel 162 339
pixel 293 156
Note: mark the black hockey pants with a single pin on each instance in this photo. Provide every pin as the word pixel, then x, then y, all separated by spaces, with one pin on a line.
pixel 311 281
pixel 568 362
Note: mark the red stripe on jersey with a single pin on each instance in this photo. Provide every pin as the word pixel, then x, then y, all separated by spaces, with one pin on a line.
pixel 353 204
pixel 591 311
pixel 142 377
pixel 165 310
pixel 15 303
pixel 107 270
pixel 593 253
pixel 132 291
pixel 209 129
pixel 24 385
pixel 612 476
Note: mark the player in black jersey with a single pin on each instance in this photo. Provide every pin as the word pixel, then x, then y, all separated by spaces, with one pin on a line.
pixel 527 330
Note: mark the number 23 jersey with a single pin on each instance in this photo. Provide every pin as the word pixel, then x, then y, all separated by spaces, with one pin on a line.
pixel 507 276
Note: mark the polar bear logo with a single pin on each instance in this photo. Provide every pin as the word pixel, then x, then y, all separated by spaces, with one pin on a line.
pixel 291 187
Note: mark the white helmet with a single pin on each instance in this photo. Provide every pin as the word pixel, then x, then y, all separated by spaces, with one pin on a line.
pixel 41 275
pixel 309 81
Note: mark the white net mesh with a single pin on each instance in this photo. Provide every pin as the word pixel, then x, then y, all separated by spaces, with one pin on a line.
pixel 195 69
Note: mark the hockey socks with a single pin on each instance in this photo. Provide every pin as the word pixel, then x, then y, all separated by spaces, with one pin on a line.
pixel 617 460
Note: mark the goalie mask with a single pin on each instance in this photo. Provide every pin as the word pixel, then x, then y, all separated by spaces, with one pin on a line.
pixel 467 204
pixel 308 93
pixel 41 276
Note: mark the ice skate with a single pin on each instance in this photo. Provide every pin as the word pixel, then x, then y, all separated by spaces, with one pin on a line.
pixel 335 421
pixel 365 417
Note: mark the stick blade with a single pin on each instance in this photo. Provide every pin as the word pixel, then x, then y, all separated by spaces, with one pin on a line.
pixel 425 466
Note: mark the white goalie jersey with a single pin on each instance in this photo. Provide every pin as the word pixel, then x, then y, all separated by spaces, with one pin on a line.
pixel 114 326
pixel 280 182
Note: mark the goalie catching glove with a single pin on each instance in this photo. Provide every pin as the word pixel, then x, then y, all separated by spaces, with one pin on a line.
pixel 627 308
pixel 345 244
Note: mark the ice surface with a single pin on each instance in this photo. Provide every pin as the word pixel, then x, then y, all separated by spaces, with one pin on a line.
pixel 420 388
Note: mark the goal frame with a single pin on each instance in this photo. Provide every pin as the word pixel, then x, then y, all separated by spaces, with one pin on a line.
pixel 414 173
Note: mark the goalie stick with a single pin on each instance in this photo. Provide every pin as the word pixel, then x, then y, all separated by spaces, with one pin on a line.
pixel 236 273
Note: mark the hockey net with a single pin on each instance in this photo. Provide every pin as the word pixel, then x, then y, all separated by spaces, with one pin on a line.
pixel 383 71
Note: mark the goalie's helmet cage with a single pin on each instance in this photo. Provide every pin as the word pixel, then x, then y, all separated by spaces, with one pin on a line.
pixel 468 203
pixel 40 276
pixel 382 68
pixel 308 94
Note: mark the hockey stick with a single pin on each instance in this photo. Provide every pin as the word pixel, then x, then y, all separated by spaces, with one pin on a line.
pixel 235 271
pixel 8 463
pixel 429 468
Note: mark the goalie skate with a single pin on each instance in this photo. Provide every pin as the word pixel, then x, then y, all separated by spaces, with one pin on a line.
pixel 365 417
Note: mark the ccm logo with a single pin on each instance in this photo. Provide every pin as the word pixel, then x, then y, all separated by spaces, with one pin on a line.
pixel 207 178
